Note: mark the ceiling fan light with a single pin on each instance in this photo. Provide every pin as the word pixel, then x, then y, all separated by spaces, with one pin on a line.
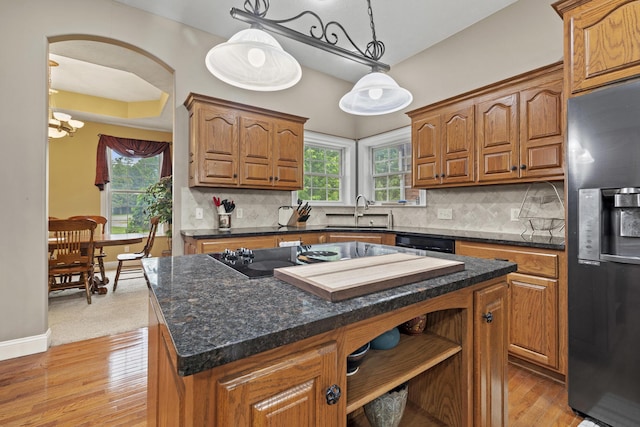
pixel 56 133
pixel 374 94
pixel 76 123
pixel 254 60
pixel 63 117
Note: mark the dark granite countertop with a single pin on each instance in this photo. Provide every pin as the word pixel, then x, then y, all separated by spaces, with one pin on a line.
pixel 533 241
pixel 216 315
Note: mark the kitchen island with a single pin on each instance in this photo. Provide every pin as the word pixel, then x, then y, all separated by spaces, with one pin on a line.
pixel 228 350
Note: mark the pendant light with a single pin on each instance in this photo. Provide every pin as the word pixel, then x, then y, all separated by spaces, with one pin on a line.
pixel 376 93
pixel 254 60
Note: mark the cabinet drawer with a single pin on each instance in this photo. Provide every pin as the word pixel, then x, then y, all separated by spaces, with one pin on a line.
pixel 530 261
pixel 219 245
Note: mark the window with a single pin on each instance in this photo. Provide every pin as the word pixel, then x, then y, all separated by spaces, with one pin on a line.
pixel 322 174
pixel 130 176
pixel 385 172
pixel 391 172
pixel 325 160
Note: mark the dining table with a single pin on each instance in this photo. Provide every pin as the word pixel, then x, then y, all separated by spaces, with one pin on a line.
pixel 100 241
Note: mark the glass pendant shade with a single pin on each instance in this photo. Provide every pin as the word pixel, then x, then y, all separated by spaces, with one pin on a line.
pixel 374 94
pixel 254 60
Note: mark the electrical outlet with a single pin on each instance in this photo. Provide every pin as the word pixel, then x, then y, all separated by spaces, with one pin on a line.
pixel 515 213
pixel 445 213
pixel 126 248
pixel 199 213
pixel 239 213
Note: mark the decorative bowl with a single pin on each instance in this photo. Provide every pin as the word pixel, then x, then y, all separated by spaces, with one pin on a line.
pixel 387 410
pixel 414 326
pixel 354 360
pixel 386 341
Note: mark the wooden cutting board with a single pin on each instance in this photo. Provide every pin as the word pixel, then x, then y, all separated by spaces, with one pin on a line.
pixel 340 280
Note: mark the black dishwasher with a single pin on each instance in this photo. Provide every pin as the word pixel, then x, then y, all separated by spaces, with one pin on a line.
pixel 436 244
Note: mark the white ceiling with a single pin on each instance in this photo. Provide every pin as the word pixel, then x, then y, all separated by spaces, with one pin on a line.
pixel 406 27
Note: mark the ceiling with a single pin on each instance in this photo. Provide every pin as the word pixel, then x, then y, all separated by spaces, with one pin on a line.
pixel 405 31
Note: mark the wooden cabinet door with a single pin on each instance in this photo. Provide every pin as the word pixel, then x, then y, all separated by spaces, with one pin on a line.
pixel 379 238
pixel 458 144
pixel 602 42
pixel 426 144
pixel 288 144
pixel 541 130
pixel 490 356
pixel 497 130
pixel 214 145
pixel 533 320
pixel 289 392
pixel 256 150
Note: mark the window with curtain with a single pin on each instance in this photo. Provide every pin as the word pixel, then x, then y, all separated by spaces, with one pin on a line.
pixel 125 167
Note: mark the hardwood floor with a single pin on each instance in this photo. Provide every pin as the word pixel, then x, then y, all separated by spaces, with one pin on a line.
pixel 103 382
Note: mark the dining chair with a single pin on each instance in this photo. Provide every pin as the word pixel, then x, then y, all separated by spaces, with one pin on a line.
pixel 101 255
pixel 136 256
pixel 72 255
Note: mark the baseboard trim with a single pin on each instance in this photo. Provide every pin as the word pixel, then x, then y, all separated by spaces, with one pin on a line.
pixel 25 346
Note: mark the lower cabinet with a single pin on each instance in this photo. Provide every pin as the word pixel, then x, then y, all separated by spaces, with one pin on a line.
pixel 537 304
pixel 490 367
pixel 379 238
pixel 455 371
pixel 288 392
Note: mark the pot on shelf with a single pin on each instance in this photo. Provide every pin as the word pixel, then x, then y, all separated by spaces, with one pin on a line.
pixel 387 410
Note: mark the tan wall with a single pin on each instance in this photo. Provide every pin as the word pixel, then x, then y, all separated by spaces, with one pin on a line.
pixel 72 172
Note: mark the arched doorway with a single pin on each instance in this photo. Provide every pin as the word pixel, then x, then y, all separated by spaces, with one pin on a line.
pixel 99 72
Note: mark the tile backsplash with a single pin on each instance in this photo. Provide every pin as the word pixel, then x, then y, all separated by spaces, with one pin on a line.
pixel 485 208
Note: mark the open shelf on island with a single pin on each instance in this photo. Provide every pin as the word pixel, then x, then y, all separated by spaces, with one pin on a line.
pixel 413 416
pixel 382 370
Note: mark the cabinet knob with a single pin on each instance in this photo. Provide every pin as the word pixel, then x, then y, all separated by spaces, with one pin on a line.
pixel 488 317
pixel 235 175
pixel 514 168
pixel 333 394
pixel 270 178
pixel 523 167
pixel 276 178
pixel 436 176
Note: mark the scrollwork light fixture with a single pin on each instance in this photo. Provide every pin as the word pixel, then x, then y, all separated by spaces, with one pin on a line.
pixel 253 59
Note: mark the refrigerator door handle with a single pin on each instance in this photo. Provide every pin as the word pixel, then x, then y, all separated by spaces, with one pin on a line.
pixel 620 259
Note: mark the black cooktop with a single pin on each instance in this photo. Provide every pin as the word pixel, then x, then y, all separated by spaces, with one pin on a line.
pixel 261 262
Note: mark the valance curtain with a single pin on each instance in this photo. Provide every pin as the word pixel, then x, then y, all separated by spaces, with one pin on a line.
pixel 128 147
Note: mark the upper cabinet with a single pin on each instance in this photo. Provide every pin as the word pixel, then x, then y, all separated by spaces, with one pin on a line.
pixel 508 132
pixel 235 145
pixel 602 41
pixel 443 149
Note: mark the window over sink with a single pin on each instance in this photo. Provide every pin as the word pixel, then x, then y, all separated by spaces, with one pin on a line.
pixel 329 162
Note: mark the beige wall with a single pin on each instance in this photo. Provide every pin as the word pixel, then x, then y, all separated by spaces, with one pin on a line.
pixel 525 36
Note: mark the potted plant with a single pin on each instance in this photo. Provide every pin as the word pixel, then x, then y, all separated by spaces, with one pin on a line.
pixel 158 198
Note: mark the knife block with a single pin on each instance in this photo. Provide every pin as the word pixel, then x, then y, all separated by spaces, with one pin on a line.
pixel 294 220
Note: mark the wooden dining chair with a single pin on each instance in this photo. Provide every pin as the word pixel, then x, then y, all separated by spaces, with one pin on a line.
pixel 101 255
pixel 133 259
pixel 71 261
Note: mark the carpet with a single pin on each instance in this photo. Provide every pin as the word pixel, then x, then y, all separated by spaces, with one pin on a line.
pixel 71 319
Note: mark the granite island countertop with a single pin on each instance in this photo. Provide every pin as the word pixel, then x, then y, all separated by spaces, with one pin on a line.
pixel 541 240
pixel 216 315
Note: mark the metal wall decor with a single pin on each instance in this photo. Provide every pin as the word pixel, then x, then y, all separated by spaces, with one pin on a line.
pixel 323 36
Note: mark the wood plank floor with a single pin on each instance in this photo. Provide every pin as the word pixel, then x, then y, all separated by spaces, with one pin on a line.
pixel 103 382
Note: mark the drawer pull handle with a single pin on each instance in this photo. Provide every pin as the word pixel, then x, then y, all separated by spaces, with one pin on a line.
pixel 501 259
pixel 333 394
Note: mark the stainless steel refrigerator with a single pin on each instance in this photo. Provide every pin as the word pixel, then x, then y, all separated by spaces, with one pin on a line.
pixel 603 223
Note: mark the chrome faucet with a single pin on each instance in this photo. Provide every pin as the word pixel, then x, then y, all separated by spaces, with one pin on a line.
pixel 357 215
